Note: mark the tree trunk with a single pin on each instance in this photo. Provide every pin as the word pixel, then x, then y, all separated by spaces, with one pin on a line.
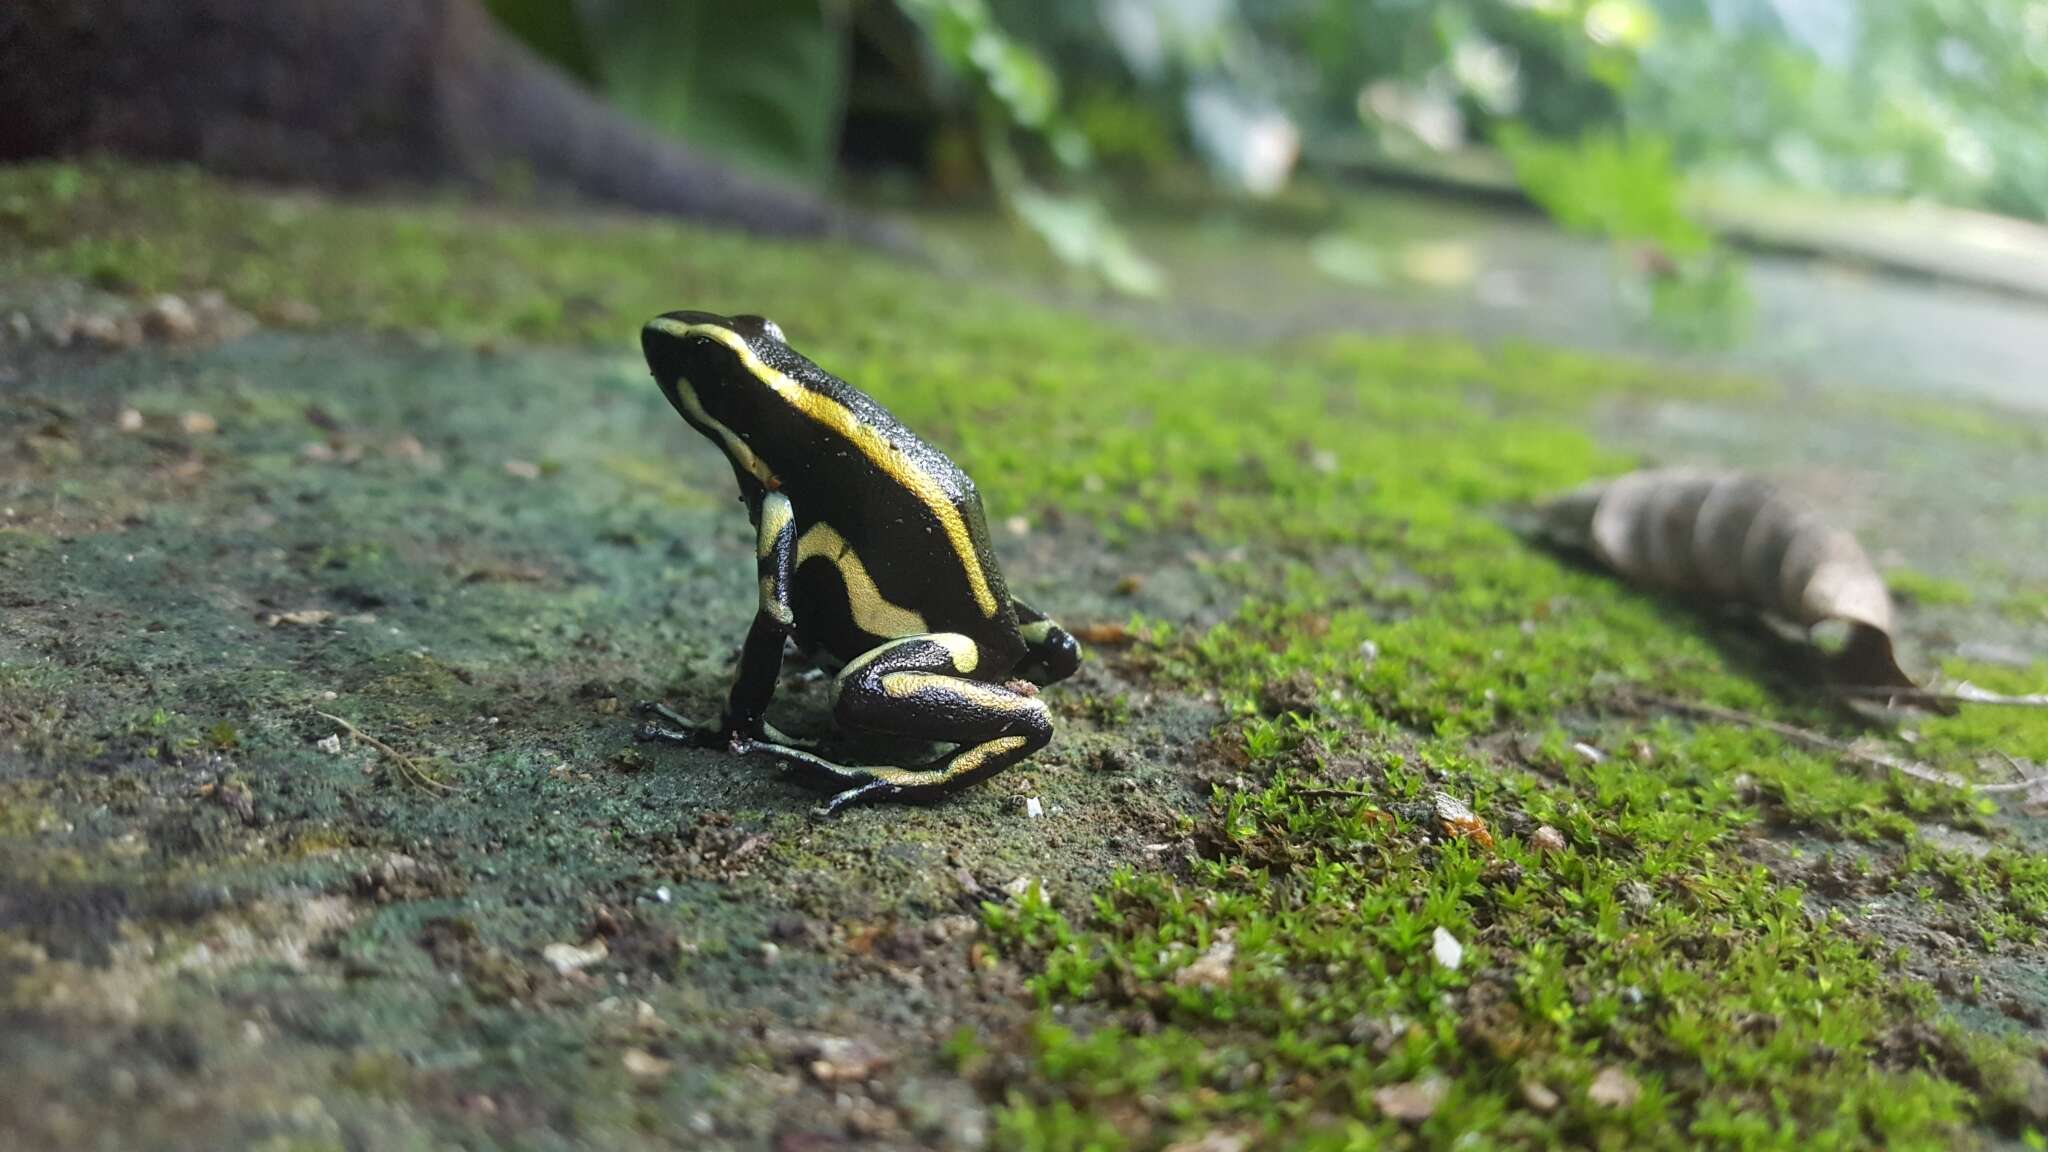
pixel 351 94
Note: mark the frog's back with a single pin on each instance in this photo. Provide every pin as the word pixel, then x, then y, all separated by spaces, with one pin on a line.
pixel 891 537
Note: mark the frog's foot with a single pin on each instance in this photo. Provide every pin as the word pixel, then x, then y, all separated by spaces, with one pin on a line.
pixel 680 729
pixel 782 739
pixel 915 687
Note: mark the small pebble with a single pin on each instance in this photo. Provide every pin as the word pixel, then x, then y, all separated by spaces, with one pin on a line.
pixel 1614 1088
pixel 130 420
pixel 642 1065
pixel 567 958
pixel 170 318
pixel 1445 947
pixel 330 745
pixel 1212 968
pixel 1413 1102
pixel 1032 808
pixel 522 469
pixel 1546 841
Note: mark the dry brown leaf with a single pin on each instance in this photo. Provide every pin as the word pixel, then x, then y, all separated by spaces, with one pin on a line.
pixel 1104 635
pixel 1736 537
pixel 1460 822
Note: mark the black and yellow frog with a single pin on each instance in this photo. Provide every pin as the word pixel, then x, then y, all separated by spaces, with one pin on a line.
pixel 873 550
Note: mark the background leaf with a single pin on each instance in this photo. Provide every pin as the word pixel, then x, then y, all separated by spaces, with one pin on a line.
pixel 554 29
pixel 760 82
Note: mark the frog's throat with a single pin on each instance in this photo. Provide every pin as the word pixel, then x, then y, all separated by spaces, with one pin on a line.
pixel 736 449
pixel 841 421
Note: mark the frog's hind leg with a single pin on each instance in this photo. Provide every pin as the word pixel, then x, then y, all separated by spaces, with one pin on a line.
pixel 920 687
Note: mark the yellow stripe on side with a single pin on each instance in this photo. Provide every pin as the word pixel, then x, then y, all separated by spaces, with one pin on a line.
pixel 872 613
pixel 967 761
pixel 879 452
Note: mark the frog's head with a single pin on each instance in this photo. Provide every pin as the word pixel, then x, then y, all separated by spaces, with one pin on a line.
pixel 720 373
pixel 708 350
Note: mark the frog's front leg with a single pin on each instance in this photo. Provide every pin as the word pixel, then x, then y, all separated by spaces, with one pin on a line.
pixel 761 656
pixel 918 687
pixel 1051 653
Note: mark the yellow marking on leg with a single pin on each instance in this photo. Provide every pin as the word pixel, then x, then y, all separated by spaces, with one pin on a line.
pixel 965 762
pixel 776 514
pixel 901 684
pixel 773 606
pixel 974 757
pixel 964 653
pixel 872 612
pixel 848 426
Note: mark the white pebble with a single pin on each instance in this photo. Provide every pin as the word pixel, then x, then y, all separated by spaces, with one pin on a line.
pixel 1032 808
pixel 567 958
pixel 1446 949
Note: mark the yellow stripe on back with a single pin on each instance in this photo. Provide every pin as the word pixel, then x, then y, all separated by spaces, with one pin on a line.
pixel 880 452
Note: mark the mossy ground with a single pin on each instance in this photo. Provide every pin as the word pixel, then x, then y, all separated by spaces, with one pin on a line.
pixel 1670 932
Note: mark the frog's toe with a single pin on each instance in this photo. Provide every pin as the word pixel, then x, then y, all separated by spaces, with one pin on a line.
pixel 678 729
pixel 870 792
pixel 785 739
pixel 650 731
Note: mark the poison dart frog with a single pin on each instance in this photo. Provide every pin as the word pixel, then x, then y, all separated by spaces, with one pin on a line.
pixel 872 551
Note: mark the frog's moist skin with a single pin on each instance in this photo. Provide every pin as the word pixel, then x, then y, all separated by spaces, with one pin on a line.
pixel 872 549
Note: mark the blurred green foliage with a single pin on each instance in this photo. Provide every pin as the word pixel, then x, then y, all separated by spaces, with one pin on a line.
pixel 1604 107
pixel 759 82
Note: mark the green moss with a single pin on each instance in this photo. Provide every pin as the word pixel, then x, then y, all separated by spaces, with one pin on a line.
pixel 22 812
pixel 1926 591
pixel 1642 944
pixel 2027 606
pixel 1988 732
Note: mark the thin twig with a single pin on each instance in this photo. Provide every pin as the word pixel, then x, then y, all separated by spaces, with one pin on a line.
pixel 1812 739
pixel 407 766
pixel 1963 693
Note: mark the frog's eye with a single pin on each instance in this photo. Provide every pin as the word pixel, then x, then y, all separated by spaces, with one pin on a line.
pixel 750 326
